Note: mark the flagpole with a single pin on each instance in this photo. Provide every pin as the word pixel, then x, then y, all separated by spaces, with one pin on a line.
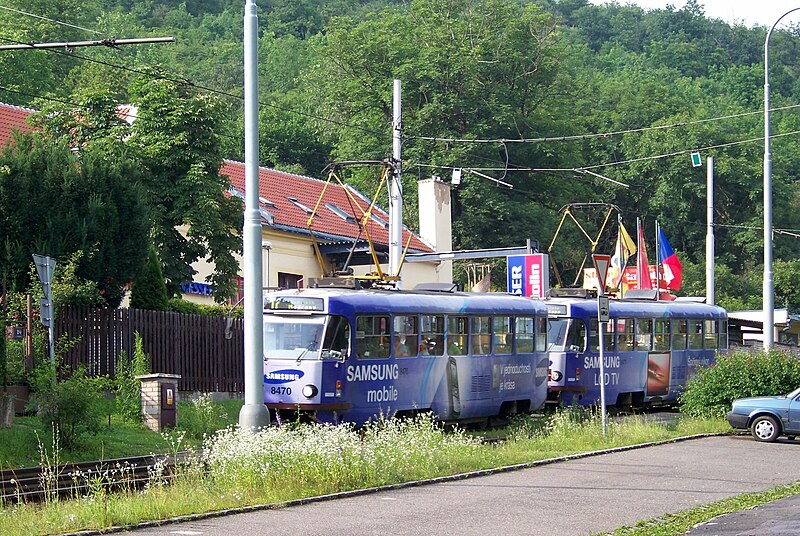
pixel 639 252
pixel 619 254
pixel 658 261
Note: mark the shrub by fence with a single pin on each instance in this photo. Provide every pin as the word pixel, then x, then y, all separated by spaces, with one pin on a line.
pixel 207 351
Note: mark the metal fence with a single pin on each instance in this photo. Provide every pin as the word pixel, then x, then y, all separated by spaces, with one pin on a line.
pixel 207 351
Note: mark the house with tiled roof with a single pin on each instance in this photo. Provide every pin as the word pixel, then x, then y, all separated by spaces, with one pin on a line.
pixel 286 202
pixel 12 118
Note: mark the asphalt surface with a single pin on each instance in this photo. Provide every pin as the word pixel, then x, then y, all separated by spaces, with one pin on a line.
pixel 575 497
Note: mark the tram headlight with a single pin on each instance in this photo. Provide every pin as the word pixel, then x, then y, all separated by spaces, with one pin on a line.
pixel 556 375
pixel 310 391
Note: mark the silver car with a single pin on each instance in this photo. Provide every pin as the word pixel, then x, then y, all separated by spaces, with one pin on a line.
pixel 767 417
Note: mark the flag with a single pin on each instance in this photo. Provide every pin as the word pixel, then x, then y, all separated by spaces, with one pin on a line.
pixel 673 270
pixel 643 265
pixel 622 251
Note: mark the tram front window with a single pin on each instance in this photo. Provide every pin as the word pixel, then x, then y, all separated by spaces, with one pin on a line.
pixel 293 338
pixel 566 335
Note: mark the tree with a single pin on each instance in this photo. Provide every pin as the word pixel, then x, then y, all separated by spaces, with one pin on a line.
pixel 57 202
pixel 149 290
pixel 177 138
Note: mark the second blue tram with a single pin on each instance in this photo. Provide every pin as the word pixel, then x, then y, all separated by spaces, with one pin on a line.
pixel 651 349
pixel 350 355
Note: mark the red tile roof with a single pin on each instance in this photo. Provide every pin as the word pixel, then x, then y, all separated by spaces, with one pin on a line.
pixel 276 187
pixel 12 118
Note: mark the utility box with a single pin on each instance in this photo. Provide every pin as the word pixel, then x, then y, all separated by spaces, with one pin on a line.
pixel 159 400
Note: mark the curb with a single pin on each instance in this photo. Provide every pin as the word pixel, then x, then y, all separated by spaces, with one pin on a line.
pixel 388 487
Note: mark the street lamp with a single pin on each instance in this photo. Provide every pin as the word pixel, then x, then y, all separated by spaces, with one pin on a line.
pixel 769 294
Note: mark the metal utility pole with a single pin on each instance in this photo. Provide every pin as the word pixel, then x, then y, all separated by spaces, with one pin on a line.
pixel 253 414
pixel 710 231
pixel 396 187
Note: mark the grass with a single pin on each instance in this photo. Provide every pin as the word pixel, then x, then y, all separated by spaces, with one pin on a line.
pixel 680 522
pixel 297 461
pixel 19 445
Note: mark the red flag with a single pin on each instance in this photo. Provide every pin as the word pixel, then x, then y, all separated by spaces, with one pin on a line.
pixel 642 264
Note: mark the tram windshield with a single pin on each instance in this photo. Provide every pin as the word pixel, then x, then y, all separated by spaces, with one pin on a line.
pixel 566 334
pixel 302 338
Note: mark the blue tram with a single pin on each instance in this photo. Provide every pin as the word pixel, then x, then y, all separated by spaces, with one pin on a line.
pixel 348 355
pixel 651 349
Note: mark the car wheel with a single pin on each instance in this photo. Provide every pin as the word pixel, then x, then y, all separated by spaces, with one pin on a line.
pixel 765 428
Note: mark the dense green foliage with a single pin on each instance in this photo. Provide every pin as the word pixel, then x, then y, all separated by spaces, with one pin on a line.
pixel 149 290
pixel 737 375
pixel 127 388
pixel 614 90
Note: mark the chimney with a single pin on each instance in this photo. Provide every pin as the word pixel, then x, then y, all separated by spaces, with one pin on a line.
pixel 435 221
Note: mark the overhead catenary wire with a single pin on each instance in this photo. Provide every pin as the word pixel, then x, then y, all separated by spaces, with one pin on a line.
pixel 21 12
pixel 578 137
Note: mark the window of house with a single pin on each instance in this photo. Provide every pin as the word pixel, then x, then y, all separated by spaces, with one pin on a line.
pixel 289 280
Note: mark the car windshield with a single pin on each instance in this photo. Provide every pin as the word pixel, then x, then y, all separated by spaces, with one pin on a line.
pixel 293 337
pixel 794 393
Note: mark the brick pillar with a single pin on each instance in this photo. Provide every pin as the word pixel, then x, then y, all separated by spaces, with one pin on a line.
pixel 159 400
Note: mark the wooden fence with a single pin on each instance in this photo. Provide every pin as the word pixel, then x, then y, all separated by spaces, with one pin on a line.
pixel 207 351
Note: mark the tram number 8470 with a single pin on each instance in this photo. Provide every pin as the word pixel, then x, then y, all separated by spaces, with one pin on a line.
pixel 279 390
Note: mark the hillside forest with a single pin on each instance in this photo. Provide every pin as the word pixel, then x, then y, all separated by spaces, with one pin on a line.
pixel 552 97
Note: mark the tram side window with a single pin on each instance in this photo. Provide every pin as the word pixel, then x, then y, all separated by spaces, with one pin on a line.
pixel 457 335
pixel 336 344
pixel 541 334
pixel 695 334
pixel 661 341
pixel 480 343
pixel 524 334
pixel 723 334
pixel 644 334
pixel 679 331
pixel 501 333
pixel 711 334
pixel 625 334
pixel 432 329
pixel 372 337
pixel 608 335
pixel 406 336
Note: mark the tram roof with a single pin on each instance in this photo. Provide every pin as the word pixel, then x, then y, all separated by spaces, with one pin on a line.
pixel 641 308
pixel 421 301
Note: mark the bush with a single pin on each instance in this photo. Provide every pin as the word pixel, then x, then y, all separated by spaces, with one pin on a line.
pixel 179 305
pixel 740 374
pixel 71 407
pixel 149 289
pixel 126 387
pixel 201 417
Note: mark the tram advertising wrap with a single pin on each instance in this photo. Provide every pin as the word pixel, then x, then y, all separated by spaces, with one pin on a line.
pixel 651 349
pixel 342 355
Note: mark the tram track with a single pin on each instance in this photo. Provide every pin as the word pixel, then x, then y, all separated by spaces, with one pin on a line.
pixel 37 484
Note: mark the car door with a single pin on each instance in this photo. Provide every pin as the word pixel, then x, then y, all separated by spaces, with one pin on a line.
pixel 793 415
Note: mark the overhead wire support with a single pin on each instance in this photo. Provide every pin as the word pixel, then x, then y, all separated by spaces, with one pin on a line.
pixel 111 43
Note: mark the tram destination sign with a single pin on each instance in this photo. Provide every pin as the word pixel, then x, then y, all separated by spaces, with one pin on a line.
pixel 294 303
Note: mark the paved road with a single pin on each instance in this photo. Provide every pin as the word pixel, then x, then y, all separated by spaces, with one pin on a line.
pixel 576 497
